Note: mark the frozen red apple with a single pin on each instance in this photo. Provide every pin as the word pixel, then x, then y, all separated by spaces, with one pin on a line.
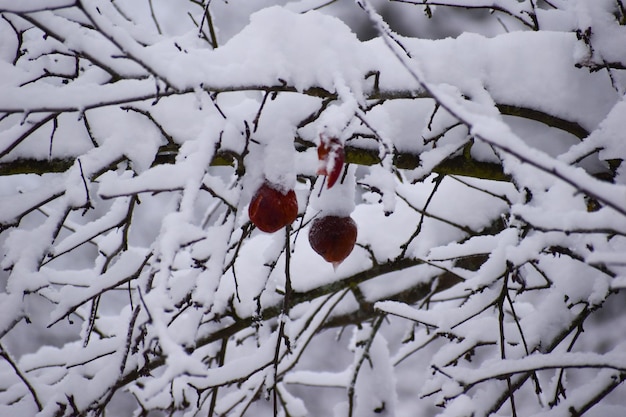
pixel 333 237
pixel 272 209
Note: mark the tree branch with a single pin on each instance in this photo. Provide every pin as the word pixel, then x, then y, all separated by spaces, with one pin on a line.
pixel 458 165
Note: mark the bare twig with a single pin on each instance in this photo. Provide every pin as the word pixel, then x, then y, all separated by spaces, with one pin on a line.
pixel 7 357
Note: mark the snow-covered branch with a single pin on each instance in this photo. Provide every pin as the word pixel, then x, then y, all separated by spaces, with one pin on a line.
pixel 221 208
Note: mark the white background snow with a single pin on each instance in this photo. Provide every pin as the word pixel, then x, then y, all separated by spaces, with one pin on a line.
pixel 133 281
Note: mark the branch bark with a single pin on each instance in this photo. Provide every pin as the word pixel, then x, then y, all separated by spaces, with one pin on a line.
pixel 458 165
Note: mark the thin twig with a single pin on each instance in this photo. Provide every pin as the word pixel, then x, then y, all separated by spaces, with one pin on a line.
pixel 206 16
pixel 220 362
pixel 502 340
pixel 154 19
pixel 7 357
pixel 284 316
pixel 418 229
pixel 364 354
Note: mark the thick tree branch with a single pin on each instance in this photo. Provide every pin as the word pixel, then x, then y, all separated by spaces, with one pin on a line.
pixel 274 311
pixel 545 118
pixel 458 165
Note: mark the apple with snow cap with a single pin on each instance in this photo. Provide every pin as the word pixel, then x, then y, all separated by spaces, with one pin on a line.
pixel 271 208
pixel 333 232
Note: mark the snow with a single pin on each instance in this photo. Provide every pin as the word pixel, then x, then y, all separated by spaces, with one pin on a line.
pixel 68 298
pixel 562 360
pixel 15 206
pixel 318 378
pixel 373 382
pixel 85 233
pixel 244 60
pixel 335 201
pixel 455 283
pixel 32 5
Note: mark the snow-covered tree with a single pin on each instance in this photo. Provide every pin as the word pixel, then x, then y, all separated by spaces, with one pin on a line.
pixel 312 208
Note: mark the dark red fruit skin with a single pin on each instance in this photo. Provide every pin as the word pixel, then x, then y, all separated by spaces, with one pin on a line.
pixel 331 156
pixel 333 237
pixel 270 209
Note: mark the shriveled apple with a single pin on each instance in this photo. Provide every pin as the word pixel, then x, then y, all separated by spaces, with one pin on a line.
pixel 333 237
pixel 272 209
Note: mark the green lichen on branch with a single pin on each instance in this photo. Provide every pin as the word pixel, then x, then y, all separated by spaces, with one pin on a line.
pixel 459 165
pixel 35 166
pixel 545 118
